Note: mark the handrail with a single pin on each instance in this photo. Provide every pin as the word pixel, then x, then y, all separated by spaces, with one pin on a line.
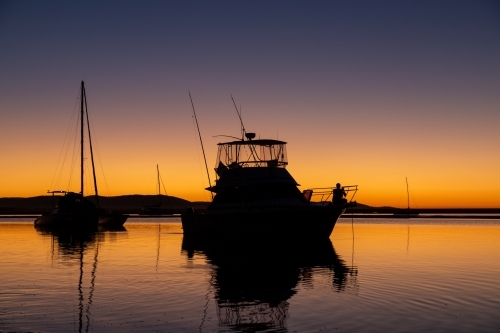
pixel 326 192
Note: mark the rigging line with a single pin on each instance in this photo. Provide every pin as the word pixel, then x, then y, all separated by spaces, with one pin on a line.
pixel 91 151
pixel 67 147
pixel 201 142
pixel 75 156
pixel 98 153
pixel 65 142
pixel 164 189
pixel 88 176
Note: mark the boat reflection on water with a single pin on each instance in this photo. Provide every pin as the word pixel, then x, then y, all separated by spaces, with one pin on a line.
pixel 253 281
pixel 71 245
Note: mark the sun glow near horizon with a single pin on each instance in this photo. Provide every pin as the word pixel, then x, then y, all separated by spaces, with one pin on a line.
pixel 361 99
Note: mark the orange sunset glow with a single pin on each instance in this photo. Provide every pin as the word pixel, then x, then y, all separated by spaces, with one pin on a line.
pixel 361 98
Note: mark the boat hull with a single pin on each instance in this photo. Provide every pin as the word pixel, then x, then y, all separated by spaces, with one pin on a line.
pixel 68 220
pixel 112 219
pixel 309 222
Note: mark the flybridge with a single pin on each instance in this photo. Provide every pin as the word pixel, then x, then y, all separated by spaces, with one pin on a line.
pixel 251 153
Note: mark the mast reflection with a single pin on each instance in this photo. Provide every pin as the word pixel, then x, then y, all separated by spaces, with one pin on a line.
pixel 252 281
pixel 72 245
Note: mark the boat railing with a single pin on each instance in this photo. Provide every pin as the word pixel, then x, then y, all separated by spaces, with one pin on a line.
pixel 325 194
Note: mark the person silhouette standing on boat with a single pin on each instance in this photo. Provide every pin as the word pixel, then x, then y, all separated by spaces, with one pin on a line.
pixel 339 195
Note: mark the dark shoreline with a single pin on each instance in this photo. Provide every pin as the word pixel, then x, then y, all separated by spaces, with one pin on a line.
pixel 487 216
pixel 132 204
pixel 433 216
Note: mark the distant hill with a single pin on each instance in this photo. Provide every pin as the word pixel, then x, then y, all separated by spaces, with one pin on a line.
pixel 130 204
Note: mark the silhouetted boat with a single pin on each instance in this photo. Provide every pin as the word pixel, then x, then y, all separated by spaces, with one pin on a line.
pixel 74 210
pixel 252 282
pixel 155 209
pixel 111 219
pixel 256 195
pixel 407 213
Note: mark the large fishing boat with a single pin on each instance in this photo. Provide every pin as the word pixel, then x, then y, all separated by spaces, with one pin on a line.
pixel 74 210
pixel 254 194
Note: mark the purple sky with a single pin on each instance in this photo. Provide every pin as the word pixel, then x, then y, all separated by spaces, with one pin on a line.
pixel 365 92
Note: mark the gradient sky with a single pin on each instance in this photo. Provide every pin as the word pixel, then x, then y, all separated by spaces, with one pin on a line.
pixel 364 92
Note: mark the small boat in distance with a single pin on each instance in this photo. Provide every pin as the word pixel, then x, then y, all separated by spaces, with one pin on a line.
pixel 74 210
pixel 157 209
pixel 407 213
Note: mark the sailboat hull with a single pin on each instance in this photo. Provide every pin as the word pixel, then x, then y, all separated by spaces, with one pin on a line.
pixel 71 220
pixel 286 222
pixel 112 219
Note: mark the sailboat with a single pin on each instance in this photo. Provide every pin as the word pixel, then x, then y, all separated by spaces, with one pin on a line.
pixel 73 209
pixel 154 209
pixel 407 212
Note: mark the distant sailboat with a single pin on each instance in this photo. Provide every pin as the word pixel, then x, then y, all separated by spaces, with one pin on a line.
pixel 73 209
pixel 155 209
pixel 407 212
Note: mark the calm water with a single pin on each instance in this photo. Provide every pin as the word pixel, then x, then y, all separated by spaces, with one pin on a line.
pixel 372 276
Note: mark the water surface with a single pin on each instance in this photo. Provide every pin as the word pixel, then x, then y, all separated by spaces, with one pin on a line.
pixel 371 276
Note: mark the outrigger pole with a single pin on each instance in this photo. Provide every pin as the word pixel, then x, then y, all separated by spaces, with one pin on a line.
pixel 201 141
pixel 243 131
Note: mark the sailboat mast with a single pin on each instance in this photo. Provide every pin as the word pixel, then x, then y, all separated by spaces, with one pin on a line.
pixel 81 139
pixel 158 175
pixel 91 151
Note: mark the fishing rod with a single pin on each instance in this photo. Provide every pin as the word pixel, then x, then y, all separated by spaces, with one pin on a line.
pixel 226 136
pixel 201 142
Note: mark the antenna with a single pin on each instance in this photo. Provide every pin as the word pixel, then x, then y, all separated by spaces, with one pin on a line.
pixel 243 132
pixel 201 142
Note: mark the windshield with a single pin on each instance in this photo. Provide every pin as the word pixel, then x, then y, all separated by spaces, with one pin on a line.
pixel 256 153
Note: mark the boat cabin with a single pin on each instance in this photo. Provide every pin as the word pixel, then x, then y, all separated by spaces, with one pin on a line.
pixel 250 153
pixel 252 170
